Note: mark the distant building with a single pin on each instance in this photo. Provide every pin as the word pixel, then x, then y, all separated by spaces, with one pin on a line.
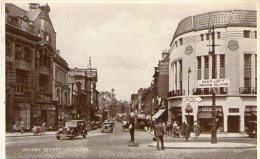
pixel 60 85
pixel 88 104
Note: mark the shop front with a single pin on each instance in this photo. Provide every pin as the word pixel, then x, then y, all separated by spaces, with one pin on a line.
pixel 176 114
pixel 44 110
pixel 205 118
pixel 250 114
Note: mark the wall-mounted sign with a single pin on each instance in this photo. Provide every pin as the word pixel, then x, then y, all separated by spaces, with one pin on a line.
pixel 188 49
pixel 233 110
pixel 213 83
pixel 233 45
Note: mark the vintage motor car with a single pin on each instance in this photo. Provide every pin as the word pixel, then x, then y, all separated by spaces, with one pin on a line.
pixel 72 129
pixel 107 126
pixel 252 129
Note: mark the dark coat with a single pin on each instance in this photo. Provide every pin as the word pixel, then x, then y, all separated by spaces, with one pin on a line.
pixel 132 122
pixel 159 130
pixel 185 130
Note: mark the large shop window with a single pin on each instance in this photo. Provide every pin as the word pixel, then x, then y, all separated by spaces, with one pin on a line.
pixel 205 118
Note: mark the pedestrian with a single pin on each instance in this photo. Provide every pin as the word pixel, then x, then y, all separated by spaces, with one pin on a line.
pixel 174 129
pixel 132 125
pixel 43 127
pixel 196 130
pixel 185 129
pixel 21 125
pixel 159 132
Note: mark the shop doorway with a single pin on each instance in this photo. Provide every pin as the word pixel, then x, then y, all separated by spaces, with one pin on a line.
pixel 233 124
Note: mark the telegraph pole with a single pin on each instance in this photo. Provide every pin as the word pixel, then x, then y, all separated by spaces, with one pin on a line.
pixel 212 53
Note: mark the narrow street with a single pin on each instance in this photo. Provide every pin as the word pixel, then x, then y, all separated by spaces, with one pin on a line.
pixel 115 145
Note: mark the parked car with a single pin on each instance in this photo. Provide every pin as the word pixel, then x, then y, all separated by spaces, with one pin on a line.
pixel 252 129
pixel 72 129
pixel 107 126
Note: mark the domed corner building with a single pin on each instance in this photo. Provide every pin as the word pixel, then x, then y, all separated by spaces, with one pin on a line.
pixel 236 61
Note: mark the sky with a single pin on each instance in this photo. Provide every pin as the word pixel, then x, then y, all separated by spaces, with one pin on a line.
pixel 124 39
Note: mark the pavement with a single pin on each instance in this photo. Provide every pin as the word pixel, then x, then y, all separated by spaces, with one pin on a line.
pixel 18 134
pixel 219 135
pixel 204 145
pixel 174 143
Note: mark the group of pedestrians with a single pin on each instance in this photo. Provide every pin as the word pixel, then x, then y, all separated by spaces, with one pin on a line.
pixel 172 129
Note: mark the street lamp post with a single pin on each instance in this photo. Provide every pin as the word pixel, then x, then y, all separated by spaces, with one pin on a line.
pixel 188 108
pixel 212 53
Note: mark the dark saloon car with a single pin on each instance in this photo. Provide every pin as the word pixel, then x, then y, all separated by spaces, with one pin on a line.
pixel 107 126
pixel 73 128
pixel 252 129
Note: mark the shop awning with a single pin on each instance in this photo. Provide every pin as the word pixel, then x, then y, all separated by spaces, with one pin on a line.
pixel 158 114
pixel 205 115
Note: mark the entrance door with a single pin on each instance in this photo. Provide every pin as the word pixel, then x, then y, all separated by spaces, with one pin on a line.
pixel 233 124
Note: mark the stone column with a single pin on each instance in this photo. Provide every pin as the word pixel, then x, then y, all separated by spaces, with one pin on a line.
pixel 253 70
pixel 225 122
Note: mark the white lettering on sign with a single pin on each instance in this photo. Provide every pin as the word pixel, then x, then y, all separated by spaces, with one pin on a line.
pixel 213 83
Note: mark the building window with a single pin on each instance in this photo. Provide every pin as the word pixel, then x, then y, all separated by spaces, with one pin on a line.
pixel 43 84
pixel 246 33
pixel 199 68
pixel 201 37
pixel 247 70
pixel 181 41
pixel 254 35
pixel 180 74
pixel 222 66
pixel 206 70
pixel 207 36
pixel 44 58
pixel 21 81
pixel 58 95
pixel 175 64
pixel 18 51
pixel 27 54
pixel 218 35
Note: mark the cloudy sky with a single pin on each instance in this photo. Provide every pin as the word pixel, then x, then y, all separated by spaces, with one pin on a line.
pixel 124 40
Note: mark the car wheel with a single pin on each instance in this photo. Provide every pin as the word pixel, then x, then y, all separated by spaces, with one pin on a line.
pixel 102 131
pixel 58 137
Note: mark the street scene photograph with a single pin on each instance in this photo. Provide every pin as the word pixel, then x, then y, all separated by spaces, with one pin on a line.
pixel 129 79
